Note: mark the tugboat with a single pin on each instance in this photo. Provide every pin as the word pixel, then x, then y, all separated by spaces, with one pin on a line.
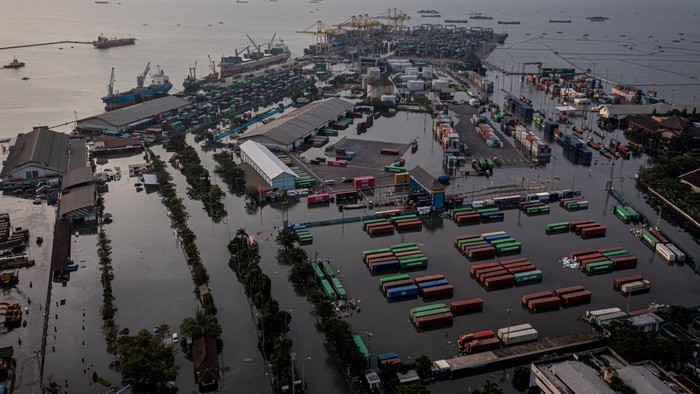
pixel 14 64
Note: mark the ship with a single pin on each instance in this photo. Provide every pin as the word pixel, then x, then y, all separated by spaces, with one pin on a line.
pixel 14 64
pixel 428 12
pixel 456 20
pixel 246 61
pixel 481 17
pixel 560 21
pixel 159 87
pixel 431 16
pixel 508 22
pixel 103 42
pixel 192 84
pixel 597 18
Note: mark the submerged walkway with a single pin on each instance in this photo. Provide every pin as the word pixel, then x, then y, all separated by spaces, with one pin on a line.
pixel 45 43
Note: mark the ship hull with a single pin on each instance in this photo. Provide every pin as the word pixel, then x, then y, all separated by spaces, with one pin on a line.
pixel 135 96
pixel 232 69
pixel 114 43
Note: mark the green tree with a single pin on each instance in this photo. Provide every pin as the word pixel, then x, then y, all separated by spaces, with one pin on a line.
pixel 252 194
pixel 286 239
pixel 488 387
pixel 677 314
pixel 146 364
pixel 412 388
pixel 521 378
pixel 423 366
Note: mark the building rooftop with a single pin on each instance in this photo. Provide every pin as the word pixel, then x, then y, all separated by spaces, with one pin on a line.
pixel 42 146
pixel 300 122
pixel 60 253
pixel 425 179
pixel 78 199
pixel 76 177
pixel 134 113
pixel 268 162
pixel 205 359
pixel 115 142
pixel 692 177
pixel 645 319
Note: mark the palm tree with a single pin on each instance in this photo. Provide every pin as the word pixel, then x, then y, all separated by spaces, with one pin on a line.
pixel 163 330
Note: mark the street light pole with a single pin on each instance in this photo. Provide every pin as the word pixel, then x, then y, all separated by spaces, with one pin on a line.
pixel 369 349
pixel 292 356
pixel 303 373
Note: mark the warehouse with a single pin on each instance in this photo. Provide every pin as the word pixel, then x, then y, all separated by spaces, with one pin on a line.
pixel 40 155
pixel 275 173
pixel 130 118
pixel 427 189
pixel 289 131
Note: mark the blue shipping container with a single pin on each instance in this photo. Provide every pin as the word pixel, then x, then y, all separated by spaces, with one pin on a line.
pixel 400 292
pixel 387 356
pixel 490 238
pixel 433 283
pixel 385 266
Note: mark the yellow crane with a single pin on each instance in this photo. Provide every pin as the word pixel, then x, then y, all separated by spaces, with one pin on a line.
pixel 323 35
pixel 397 18
pixel 361 26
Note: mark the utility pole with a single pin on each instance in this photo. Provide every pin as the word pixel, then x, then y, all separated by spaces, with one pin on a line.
pixel 292 356
pixel 369 349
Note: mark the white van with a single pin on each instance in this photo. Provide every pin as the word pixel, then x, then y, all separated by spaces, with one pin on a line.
pixel 329 182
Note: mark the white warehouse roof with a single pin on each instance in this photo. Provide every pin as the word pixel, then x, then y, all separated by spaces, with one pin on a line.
pixel 268 162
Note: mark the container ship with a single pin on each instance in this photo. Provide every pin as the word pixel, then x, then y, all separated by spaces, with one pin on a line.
pixel 192 84
pixel 456 20
pixel 560 21
pixel 103 42
pixel 481 17
pixel 508 22
pixel 159 87
pixel 276 53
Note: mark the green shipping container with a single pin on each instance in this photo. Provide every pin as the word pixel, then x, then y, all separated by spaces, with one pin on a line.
pixel 468 241
pixel 528 276
pixel 502 241
pixel 430 307
pixel 458 210
pixel 614 253
pixel 393 278
pixel 395 218
pixel 328 289
pixel 361 346
pixel 556 227
pixel 430 313
pixel 374 251
pixel 411 257
pixel 600 266
pixel 404 245
pixel 633 214
pixel 318 273
pixel 487 210
pixel 413 265
pixel 394 169
pixel 649 239
pixel 327 269
pixel 406 249
pixel 508 248
pixel 339 289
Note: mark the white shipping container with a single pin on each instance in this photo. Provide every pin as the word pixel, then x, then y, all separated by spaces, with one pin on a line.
pixel 632 287
pixel 680 256
pixel 600 312
pixel 513 338
pixel 512 329
pixel 665 252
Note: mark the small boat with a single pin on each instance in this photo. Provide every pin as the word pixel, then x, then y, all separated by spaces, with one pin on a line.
pixel 14 64
pixel 25 78
pixel 138 184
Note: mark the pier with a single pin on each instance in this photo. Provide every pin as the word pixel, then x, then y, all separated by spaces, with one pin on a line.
pixel 520 353
pixel 46 43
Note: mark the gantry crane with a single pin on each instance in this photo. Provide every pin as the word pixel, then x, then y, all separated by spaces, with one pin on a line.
pixel 323 36
pixel 362 26
pixel 397 19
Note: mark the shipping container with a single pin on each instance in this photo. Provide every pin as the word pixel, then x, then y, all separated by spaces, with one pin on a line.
pixel 434 320
pixel 429 307
pixel 624 262
pixel 497 281
pixel 579 297
pixel 665 252
pixel 577 253
pixel 613 253
pixel 467 306
pixel 318 272
pixel 402 292
pixel 529 276
pixel 437 291
pixel 429 278
pixel 618 282
pixel 541 304
pixel 328 290
pixel 573 225
pixel 432 283
pixel 384 266
pixel 580 227
pixel 515 261
pixel 485 252
pixel 491 238
pixel 318 198
pixel 634 287
pixel 380 257
pixel 567 290
pixel 386 356
pixel 361 346
pixel 373 221
pixel 474 269
pixel 680 256
pixel 599 267
pixel 464 339
pixel 398 283
pixel 463 237
pixel 485 271
pixel 381 229
pixel 429 312
pixel 509 248
pixel 514 338
pixel 649 239
pixel 482 345
pixel 598 231
pixel 557 227
pixel 520 327
pixel 327 269
pixel 534 296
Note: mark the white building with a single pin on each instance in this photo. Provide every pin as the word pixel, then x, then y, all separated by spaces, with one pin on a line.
pixel 271 169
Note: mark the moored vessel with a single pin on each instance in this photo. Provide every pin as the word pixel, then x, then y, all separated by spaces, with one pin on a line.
pixel 14 64
pixel 103 42
pixel 248 61
pixel 159 87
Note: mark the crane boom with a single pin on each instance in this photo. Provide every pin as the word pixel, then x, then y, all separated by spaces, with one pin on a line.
pixel 142 77
pixel 110 87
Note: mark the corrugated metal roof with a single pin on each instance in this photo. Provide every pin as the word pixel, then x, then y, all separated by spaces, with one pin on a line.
pixel 76 177
pixel 643 380
pixel 425 179
pixel 45 147
pixel 300 122
pixel 134 113
pixel 78 198
pixel 268 162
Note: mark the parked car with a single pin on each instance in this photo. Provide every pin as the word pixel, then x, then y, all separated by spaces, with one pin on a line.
pixel 176 339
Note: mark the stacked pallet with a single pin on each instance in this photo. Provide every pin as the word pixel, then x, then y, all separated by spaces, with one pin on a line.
pixel 603 260
pixel 487 245
pixel 505 273
pixel 396 257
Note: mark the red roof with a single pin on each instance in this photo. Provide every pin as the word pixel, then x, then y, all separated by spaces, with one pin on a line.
pixel 60 254
pixel 692 177
pixel 206 360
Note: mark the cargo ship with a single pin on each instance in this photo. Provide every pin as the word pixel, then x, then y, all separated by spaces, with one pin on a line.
pixel 103 42
pixel 560 21
pixel 14 64
pixel 597 18
pixel 276 53
pixel 428 12
pixel 192 84
pixel 159 87
pixel 431 16
pixel 481 17
pixel 508 22
pixel 456 20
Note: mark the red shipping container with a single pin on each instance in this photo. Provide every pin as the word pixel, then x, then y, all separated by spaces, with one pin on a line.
pixel 384 229
pixel 624 262
pixel 529 297
pixel 615 249
pixel 499 281
pixel 471 305
pixel 428 278
pixel 461 237
pixel 522 268
pixel 478 267
pixel 618 282
pixel 318 198
pixel 543 303
pixel 438 291
pixel 598 231
pixel 483 345
pixel 363 182
pixel 433 320
pixel 366 258
pixel 388 151
pixel 516 265
pixel 572 225
pixel 579 297
pixel 485 252
pixel 464 339
pixel 581 253
pixel 507 263
pixel 578 229
pixel 468 219
pixel 570 289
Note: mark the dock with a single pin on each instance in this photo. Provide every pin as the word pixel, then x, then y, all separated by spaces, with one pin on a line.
pixel 519 353
pixel 46 43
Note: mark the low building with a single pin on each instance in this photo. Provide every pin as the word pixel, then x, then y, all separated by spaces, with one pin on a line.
pixel 104 144
pixel 76 178
pixel 428 186
pixel 78 205
pixel 275 173
pixel 206 363
pixel 692 179
pixel 139 116
pixel 670 134
pixel 646 322
pixel 625 110
pixel 291 130
pixel 592 372
pixel 42 154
